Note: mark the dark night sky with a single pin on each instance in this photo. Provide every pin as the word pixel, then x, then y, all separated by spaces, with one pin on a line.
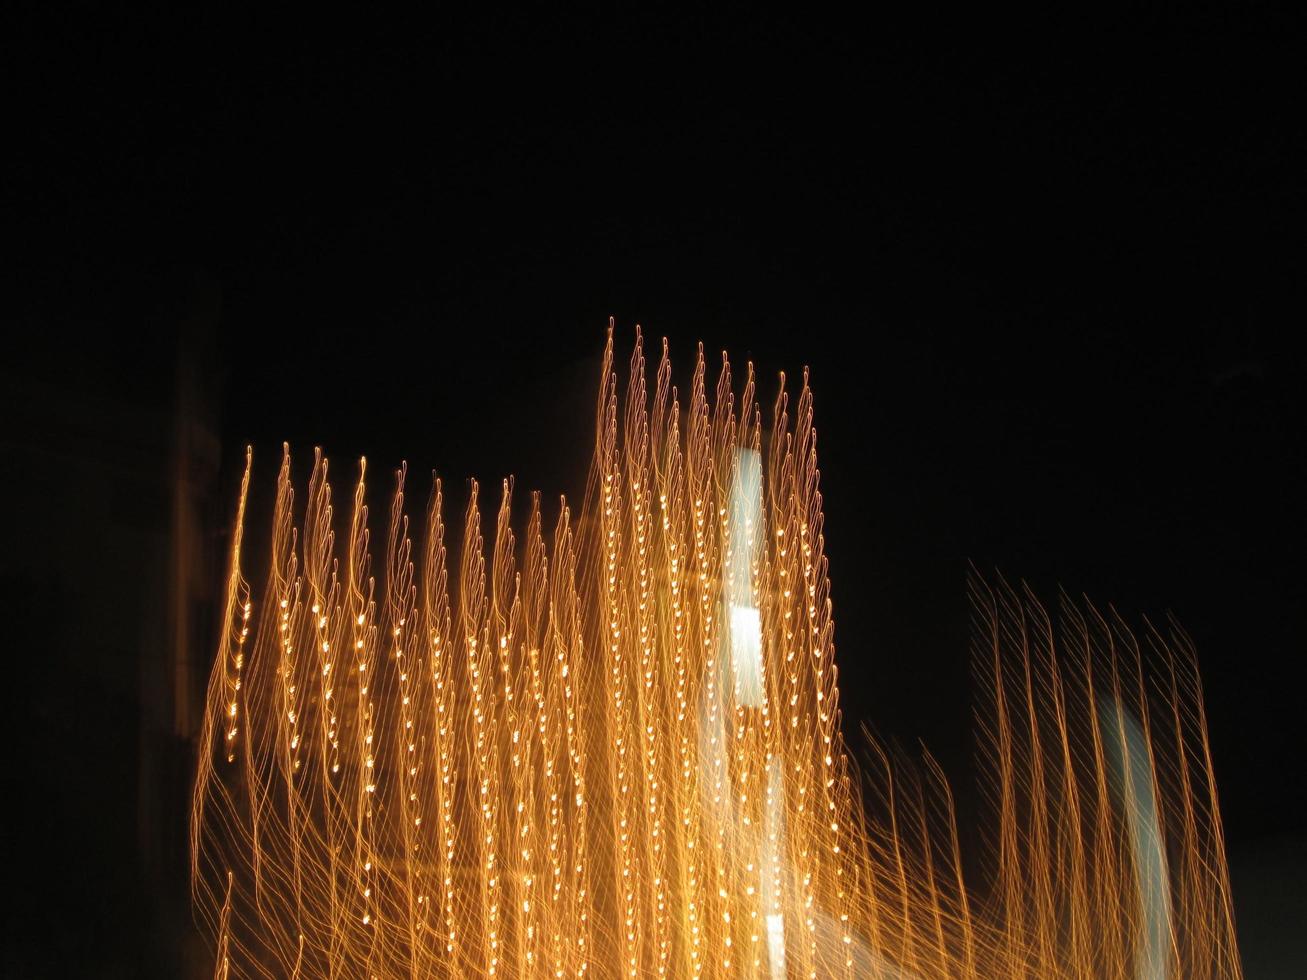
pixel 1046 276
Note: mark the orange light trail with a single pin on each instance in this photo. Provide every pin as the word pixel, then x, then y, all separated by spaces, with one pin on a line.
pixel 614 749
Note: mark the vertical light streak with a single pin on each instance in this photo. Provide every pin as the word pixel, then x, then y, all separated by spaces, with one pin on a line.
pixel 436 617
pixel 363 633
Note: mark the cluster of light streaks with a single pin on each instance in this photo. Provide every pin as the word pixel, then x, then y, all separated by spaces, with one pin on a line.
pixel 618 752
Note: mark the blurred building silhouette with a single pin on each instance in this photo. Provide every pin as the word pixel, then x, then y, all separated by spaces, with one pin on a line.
pixel 111 459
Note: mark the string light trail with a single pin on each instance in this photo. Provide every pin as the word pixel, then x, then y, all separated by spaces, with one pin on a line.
pixel 614 749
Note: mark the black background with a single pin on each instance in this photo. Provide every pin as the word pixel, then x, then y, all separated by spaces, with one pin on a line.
pixel 1047 277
